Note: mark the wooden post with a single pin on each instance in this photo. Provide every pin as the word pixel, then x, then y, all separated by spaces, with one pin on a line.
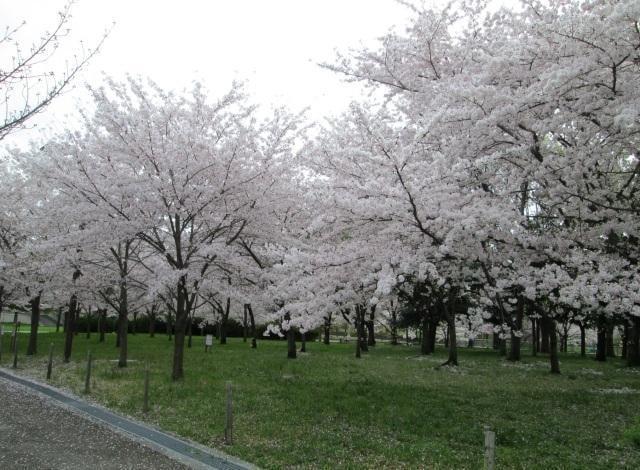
pixel 50 363
pixel 489 449
pixel 87 380
pixel 145 403
pixel 228 429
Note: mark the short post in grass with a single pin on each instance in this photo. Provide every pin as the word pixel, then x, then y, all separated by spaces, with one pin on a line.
pixel 145 401
pixel 87 379
pixel 50 363
pixel 228 428
pixel 15 352
pixel 489 448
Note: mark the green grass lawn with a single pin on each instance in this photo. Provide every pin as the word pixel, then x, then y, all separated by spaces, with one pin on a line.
pixel 390 409
pixel 26 328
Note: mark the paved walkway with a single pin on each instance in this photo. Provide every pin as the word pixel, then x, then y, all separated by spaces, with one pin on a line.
pixel 44 428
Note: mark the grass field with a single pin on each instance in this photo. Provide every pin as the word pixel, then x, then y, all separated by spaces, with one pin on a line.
pixel 390 409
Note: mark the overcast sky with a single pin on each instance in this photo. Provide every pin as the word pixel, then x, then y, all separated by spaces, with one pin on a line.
pixel 273 44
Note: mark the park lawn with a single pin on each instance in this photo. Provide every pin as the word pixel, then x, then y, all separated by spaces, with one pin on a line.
pixel 26 328
pixel 392 408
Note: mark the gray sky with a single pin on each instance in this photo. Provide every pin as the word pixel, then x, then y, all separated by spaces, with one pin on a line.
pixel 273 44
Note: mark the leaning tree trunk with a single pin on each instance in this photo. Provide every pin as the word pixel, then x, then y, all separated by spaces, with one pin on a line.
pixel 254 333
pixel 516 331
pixel 553 346
pixel 58 319
pixel 70 318
pixel 35 321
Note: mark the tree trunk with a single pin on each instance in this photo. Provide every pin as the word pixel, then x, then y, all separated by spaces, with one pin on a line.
pixel 610 346
pixel 371 338
pixel 254 333
pixel 516 331
pixel 291 339
pixel 177 372
pixel 327 329
pixel 394 327
pixel 118 335
pixel 134 323
pixel 502 347
pixel 534 342
pixel 244 325
pixel 544 337
pixel 58 319
pixel 633 343
pixel 452 360
pixel 223 322
pixel 35 322
pixel 361 330
pixel 122 335
pixel 424 345
pixel 358 344
pixel 152 323
pixel 190 331
pixel 553 347
pixel 303 343
pixel 433 331
pixel 583 342
pixel 625 336
pixel 496 341
pixel 601 346
pixel 70 317
pixel 89 323
pixel 102 323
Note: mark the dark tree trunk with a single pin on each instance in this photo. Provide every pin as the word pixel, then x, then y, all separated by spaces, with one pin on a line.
pixel 610 346
pixel 70 317
pixel 394 326
pixel 102 323
pixel 291 339
pixel 58 319
pixel 633 343
pixel 534 342
pixel 35 322
pixel 190 330
pixel 601 346
pixel 502 348
pixel 371 338
pixel 177 372
pixel 583 342
pixel 625 336
pixel 303 343
pixel 433 331
pixel 358 343
pixel 89 323
pixel 327 329
pixel 553 347
pixel 244 325
pixel 254 332
pixel 362 332
pixel 152 323
pixel 223 322
pixel 424 345
pixel 122 336
pixel 134 323
pixel 544 337
pixel 496 341
pixel 453 347
pixel 516 331
pixel 170 327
